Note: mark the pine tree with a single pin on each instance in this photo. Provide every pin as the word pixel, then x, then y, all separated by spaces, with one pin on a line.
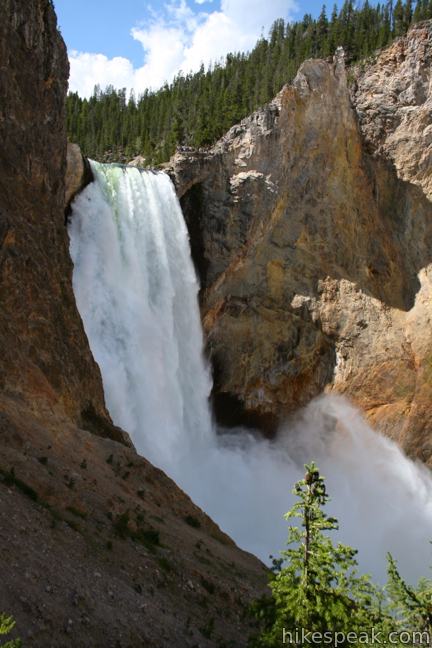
pixel 408 14
pixel 316 585
pixel 399 18
pixel 420 11
pixel 323 33
pixel 411 607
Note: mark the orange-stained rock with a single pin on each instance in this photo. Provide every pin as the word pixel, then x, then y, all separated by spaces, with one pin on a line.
pixel 44 354
pixel 314 253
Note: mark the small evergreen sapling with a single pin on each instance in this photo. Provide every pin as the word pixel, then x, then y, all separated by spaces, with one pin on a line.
pixel 315 585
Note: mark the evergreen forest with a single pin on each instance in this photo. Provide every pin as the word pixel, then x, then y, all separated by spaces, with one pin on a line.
pixel 196 109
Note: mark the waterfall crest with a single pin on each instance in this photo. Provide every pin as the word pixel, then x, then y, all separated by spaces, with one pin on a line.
pixel 136 290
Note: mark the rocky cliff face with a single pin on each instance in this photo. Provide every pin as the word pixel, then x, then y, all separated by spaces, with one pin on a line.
pixel 45 359
pixel 97 546
pixel 314 249
pixel 393 100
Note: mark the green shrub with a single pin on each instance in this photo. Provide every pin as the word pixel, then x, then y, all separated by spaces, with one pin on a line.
pixel 7 624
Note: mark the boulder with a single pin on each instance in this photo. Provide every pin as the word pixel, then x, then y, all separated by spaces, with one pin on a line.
pixel 78 173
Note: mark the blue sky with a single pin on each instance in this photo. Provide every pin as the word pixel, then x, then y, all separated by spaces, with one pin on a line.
pixel 141 43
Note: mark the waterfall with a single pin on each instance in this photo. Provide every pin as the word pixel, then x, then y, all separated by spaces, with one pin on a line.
pixel 136 290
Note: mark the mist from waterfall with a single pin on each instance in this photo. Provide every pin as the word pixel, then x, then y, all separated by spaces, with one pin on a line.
pixel 136 290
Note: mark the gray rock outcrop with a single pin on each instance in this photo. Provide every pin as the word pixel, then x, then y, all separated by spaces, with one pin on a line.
pixel 393 100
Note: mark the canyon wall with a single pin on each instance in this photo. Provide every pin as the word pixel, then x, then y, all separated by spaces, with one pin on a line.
pixel 97 546
pixel 45 358
pixel 311 229
pixel 392 98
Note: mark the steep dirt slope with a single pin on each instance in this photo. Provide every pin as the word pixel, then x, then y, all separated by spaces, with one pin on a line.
pixel 98 548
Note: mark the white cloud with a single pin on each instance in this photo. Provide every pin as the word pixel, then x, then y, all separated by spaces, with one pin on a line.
pixel 180 39
pixel 162 62
pixel 87 70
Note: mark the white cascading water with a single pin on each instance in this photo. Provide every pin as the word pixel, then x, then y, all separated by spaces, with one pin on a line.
pixel 136 290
